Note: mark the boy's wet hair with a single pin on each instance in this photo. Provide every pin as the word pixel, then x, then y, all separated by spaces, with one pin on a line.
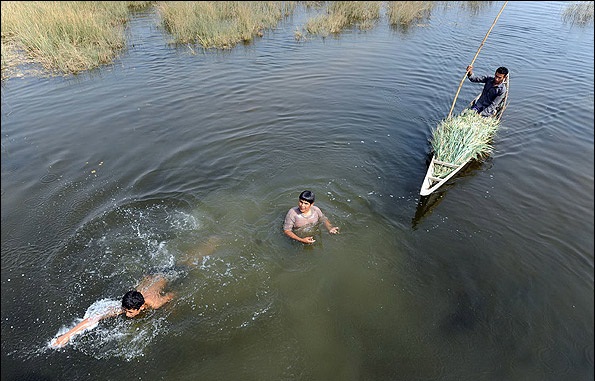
pixel 502 70
pixel 133 300
pixel 307 196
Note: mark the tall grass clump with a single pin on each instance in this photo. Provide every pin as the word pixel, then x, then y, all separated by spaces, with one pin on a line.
pixel 342 14
pixel 9 59
pixel 66 36
pixel 221 24
pixel 579 12
pixel 461 138
pixel 404 13
pixel 474 7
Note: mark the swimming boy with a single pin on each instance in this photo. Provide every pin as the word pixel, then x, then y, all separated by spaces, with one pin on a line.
pixel 148 294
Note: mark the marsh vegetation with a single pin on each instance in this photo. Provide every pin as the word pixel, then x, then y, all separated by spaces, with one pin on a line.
pixel 74 36
pixel 221 24
pixel 579 12
pixel 64 37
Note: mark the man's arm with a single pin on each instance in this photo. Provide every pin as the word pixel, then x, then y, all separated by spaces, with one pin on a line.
pixel 473 78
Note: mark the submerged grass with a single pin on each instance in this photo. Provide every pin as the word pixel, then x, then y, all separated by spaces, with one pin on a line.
pixel 460 138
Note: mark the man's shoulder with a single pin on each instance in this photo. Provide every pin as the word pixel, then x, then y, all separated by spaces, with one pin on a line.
pixel 502 88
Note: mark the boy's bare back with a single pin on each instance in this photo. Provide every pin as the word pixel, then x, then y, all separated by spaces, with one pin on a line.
pixel 152 287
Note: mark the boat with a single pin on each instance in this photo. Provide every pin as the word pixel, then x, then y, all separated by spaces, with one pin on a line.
pixel 433 182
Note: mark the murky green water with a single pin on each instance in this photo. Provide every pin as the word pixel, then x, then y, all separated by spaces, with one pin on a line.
pixel 130 168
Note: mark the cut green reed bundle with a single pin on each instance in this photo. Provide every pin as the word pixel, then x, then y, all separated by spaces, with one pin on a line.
pixel 461 138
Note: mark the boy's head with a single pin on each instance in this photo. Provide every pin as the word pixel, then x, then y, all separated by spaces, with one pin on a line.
pixel 307 196
pixel 132 301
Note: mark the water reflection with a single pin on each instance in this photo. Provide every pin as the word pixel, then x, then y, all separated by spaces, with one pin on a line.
pixel 427 204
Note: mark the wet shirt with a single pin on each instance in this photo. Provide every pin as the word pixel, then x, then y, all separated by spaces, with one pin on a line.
pixel 295 219
pixel 491 95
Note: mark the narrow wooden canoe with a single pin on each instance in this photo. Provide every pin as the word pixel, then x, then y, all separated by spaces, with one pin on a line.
pixel 431 181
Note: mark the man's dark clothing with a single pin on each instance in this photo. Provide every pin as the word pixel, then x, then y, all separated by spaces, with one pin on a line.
pixel 491 96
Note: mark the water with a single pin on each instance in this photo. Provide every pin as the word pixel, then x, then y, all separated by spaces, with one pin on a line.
pixel 134 166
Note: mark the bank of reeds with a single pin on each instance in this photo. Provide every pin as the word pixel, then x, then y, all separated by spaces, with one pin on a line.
pixel 10 58
pixel 403 13
pixel 342 14
pixel 579 12
pixel 463 137
pixel 221 24
pixel 66 37
pixel 74 36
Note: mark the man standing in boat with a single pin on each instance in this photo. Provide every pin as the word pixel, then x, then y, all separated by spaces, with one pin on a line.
pixel 493 92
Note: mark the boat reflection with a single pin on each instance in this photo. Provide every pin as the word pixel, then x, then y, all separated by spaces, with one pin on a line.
pixel 427 204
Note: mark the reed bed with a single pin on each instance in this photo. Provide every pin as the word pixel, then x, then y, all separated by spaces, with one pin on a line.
pixel 342 14
pixel 221 24
pixel 66 37
pixel 579 12
pixel 474 7
pixel 461 138
pixel 10 59
pixel 404 13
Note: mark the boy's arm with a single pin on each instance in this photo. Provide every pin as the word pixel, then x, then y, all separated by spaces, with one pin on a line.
pixel 85 324
pixel 80 327
pixel 292 235
pixel 331 229
pixel 327 224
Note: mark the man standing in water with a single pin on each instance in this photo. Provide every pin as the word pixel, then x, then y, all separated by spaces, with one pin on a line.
pixel 493 92
pixel 305 215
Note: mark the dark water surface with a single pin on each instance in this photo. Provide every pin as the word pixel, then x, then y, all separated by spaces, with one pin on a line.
pixel 129 168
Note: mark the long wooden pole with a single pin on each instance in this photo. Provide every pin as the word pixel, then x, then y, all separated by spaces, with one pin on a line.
pixel 472 61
